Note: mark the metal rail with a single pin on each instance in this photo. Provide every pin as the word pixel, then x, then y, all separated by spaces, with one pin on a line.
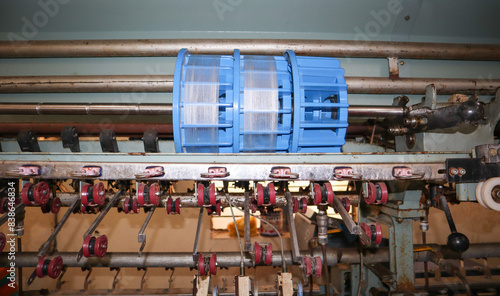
pixel 164 83
pixel 170 47
pixel 232 259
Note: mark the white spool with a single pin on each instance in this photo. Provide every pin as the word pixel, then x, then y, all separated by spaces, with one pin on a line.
pixel 261 103
pixel 486 193
pixel 479 197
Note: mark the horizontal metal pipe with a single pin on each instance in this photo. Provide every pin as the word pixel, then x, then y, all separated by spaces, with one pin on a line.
pixel 85 109
pixel 376 111
pixel 154 109
pixel 232 259
pixel 170 47
pixel 164 83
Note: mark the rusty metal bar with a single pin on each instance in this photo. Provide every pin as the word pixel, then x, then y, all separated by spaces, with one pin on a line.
pixel 170 47
pixel 164 83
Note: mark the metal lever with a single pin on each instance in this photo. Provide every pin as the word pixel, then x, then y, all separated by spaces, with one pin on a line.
pixel 98 220
pixel 457 241
pixel 195 247
pixel 46 245
pixel 349 223
pixel 296 257
pixel 141 237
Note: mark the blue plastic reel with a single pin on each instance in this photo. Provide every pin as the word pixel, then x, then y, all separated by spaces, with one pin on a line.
pixel 310 113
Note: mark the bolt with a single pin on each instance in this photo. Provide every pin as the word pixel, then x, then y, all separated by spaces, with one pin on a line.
pixel 407 17
pixel 453 171
pixel 493 152
pixel 461 171
pixel 399 202
pixel 399 220
pixel 402 63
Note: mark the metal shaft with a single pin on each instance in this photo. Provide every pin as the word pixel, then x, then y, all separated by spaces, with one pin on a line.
pixel 232 259
pixel 164 83
pixel 170 47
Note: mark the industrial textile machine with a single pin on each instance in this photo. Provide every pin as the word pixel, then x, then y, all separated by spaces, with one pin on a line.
pixel 249 134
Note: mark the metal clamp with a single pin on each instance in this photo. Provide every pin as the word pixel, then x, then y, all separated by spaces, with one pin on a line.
pixel 282 173
pixel 345 173
pixel 215 172
pixel 28 170
pixel 87 171
pixel 151 172
pixel 405 173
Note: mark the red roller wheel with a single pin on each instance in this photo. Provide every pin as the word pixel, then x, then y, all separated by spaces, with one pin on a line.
pixel 101 246
pixel 371 197
pixel 39 266
pixel 55 267
pixel 201 195
pixel 384 194
pixel 295 205
pixel 154 194
pixel 141 190
pixel 258 253
pixel 55 205
pixel 169 205
pixel 128 205
pixel 318 196
pixel 366 229
pixel 213 264
pixel 260 195
pixel 84 195
pixel 329 193
pixel 307 265
pixel 86 246
pixel 177 206
pixel 218 207
pixel 378 231
pixel 346 203
pixel 3 241
pixel 269 254
pixel 319 267
pixel 303 201
pixel 272 193
pixel 201 265
pixel 98 194
pixel 25 193
pixel 211 192
pixel 41 193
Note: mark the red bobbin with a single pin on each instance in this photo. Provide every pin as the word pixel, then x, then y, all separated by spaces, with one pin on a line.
pixel 148 195
pixel 130 205
pixel 173 206
pixel 377 193
pixel 52 268
pixel 6 206
pixel 206 195
pixel 213 264
pixel 207 264
pixel 35 193
pixel 312 266
pixel 374 231
pixel 346 203
pixel 97 246
pixel 93 195
pixel 266 195
pixel 52 206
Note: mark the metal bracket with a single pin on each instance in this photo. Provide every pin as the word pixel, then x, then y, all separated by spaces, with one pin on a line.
pixel 107 138
pixel 150 139
pixel 69 137
pixel 141 237
pixel 382 272
pixel 87 281
pixel 60 282
pixel 143 278
pixel 349 223
pixel 248 244
pixel 115 279
pixel 393 67
pixel 27 141
pixel 470 170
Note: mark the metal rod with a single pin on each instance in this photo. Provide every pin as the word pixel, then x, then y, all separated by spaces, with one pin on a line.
pixel 291 227
pixel 46 245
pixel 197 235
pixel 141 237
pixel 103 213
pixel 164 83
pixel 170 47
pixel 376 111
pixel 232 259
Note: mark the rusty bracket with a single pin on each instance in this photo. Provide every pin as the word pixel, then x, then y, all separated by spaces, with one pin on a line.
pixel 393 67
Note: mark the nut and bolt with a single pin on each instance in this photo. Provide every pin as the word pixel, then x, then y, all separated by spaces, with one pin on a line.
pixel 453 171
pixel 461 171
pixel 493 152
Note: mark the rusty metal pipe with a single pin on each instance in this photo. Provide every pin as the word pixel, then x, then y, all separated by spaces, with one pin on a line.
pixel 170 47
pixel 164 83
